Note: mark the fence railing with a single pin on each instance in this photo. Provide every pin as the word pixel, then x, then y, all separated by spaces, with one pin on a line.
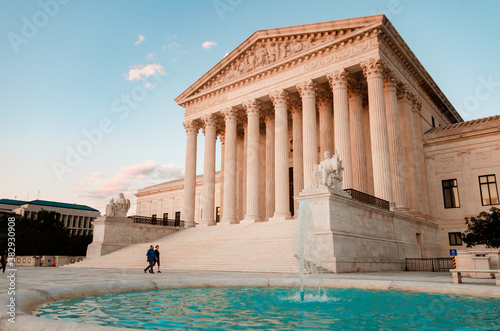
pixel 157 221
pixel 368 199
pixel 439 264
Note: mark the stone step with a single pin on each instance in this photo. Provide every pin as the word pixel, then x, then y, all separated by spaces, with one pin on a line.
pixel 256 247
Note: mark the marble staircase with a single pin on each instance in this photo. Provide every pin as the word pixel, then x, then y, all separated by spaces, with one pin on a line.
pixel 254 247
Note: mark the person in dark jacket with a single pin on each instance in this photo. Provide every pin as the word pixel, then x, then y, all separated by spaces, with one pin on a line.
pixel 151 256
pixel 157 252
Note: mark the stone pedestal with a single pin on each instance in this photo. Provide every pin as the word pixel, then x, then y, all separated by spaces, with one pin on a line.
pixel 356 237
pixel 114 233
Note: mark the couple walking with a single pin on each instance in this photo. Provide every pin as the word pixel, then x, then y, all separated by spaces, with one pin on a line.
pixel 153 257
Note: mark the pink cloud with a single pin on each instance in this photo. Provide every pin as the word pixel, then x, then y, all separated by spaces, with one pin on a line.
pixel 139 72
pixel 98 189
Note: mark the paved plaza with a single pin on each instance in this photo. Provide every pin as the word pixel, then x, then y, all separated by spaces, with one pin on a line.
pixel 37 286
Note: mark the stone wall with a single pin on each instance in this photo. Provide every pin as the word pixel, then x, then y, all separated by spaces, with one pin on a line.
pixel 355 237
pixel 111 234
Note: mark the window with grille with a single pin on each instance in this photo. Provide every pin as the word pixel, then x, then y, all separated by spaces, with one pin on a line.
pixel 455 238
pixel 450 193
pixel 489 191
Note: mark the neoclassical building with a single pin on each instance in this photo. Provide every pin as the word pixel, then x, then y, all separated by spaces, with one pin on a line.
pixel 285 96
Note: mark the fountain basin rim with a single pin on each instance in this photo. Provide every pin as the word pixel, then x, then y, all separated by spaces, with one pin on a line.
pixel 31 300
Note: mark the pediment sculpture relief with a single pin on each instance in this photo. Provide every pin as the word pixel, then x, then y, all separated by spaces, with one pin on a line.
pixel 268 51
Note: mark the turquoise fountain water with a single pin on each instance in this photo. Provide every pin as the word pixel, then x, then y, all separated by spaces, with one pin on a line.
pixel 307 252
pixel 267 308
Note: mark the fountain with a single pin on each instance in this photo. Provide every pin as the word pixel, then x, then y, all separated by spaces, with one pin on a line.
pixel 307 252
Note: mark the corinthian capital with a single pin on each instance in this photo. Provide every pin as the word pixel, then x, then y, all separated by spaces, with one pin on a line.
pixel 416 105
pixel 372 67
pixel 230 114
pixel 338 79
pixel 252 107
pixel 323 97
pixel 307 89
pixel 279 98
pixel 191 126
pixel 209 122
pixel 391 81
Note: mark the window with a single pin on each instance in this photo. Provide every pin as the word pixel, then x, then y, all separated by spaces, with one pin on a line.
pixel 217 214
pixel 455 238
pixel 165 216
pixel 177 215
pixel 450 193
pixel 489 191
pixel 433 122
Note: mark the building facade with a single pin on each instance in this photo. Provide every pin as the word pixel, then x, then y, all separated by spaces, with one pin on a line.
pixel 76 218
pixel 352 87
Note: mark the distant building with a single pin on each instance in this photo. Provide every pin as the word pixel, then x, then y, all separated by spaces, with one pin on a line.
pixel 76 218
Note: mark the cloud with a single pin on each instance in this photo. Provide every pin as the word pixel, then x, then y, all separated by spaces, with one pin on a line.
pixel 140 71
pixel 98 189
pixel 150 56
pixel 140 40
pixel 208 44
pixel 148 85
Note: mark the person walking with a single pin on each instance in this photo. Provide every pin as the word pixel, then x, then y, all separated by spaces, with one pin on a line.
pixel 4 261
pixel 151 257
pixel 157 253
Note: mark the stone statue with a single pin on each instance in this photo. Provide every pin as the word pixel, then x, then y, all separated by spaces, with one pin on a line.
pixel 118 208
pixel 329 172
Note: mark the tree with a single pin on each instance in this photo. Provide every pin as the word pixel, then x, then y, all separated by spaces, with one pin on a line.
pixel 45 235
pixel 483 229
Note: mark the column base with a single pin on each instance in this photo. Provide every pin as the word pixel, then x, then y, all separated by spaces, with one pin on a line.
pixel 251 219
pixel 402 209
pixel 206 222
pixel 281 216
pixel 190 225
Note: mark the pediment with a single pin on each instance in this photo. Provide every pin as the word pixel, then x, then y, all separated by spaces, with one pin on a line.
pixel 267 48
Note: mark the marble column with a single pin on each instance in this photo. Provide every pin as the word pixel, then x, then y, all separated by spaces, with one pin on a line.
pixel 421 170
pixel 309 130
pixel 270 183
pixel 298 164
pixel 358 150
pixel 208 203
pixel 395 148
pixel 338 81
pixel 405 101
pixel 252 109
pixel 325 104
pixel 373 71
pixel 192 128
pixel 282 204
pixel 222 166
pixel 229 196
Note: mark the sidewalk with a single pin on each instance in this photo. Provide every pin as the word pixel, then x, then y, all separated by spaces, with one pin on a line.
pixel 37 286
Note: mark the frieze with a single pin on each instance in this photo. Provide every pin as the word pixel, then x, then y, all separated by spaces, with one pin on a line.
pixel 203 104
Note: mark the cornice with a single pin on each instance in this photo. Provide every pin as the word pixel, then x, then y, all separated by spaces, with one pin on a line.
pixel 276 34
pixel 393 40
pixel 342 40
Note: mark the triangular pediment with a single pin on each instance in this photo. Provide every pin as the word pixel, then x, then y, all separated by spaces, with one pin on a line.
pixel 267 48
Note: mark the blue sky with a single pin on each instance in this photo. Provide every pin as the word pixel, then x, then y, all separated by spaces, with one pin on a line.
pixel 98 79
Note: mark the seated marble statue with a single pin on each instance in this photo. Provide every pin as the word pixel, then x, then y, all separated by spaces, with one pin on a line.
pixel 328 171
pixel 118 208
